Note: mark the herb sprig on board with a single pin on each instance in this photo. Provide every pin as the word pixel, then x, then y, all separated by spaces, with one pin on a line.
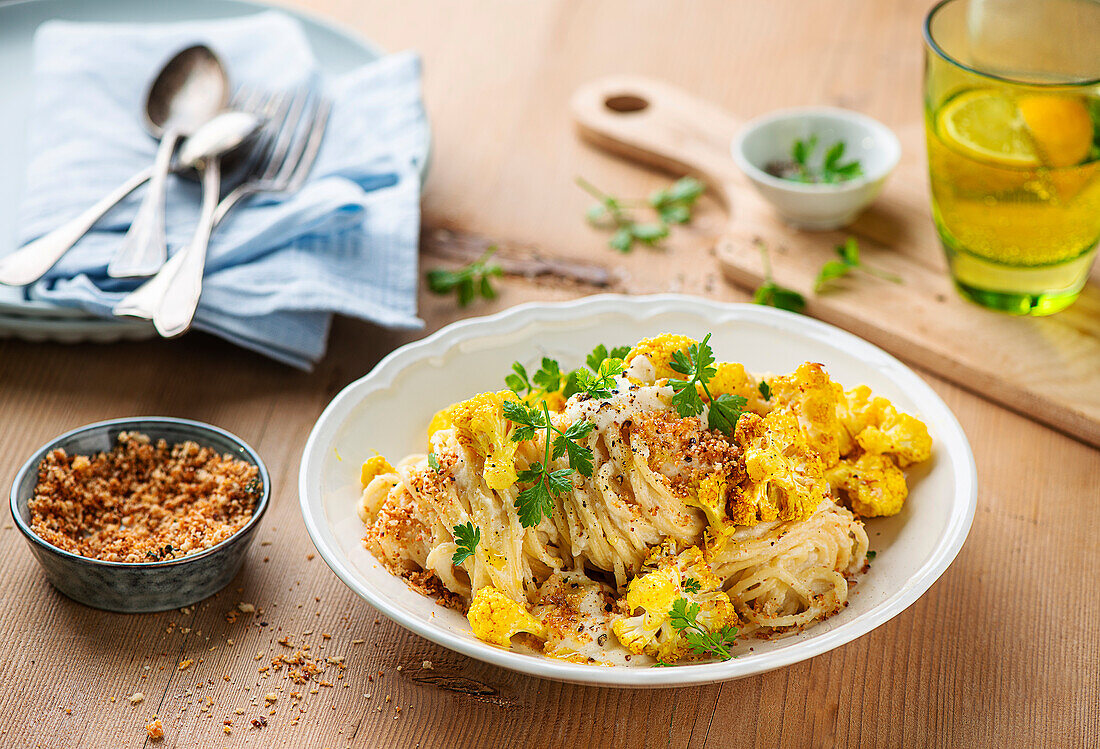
pixel 772 294
pixel 468 282
pixel 849 261
pixel 683 617
pixel 673 205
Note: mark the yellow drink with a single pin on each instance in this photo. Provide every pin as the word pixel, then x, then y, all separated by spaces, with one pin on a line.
pixel 1014 217
pixel 1012 125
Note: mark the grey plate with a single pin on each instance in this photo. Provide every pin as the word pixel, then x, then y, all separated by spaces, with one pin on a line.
pixel 338 50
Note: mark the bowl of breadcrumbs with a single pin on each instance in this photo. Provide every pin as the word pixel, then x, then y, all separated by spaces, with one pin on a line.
pixel 141 514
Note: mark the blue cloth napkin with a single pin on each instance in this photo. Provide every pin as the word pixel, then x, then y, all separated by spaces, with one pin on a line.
pixel 277 268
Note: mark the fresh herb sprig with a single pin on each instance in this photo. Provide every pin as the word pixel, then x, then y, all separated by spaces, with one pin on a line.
pixel 467 537
pixel 683 617
pixel 698 366
pixel 832 170
pixel 765 390
pixel 537 500
pixel 433 462
pixel 772 294
pixel 849 261
pixel 469 281
pixel 673 205
pixel 691 585
pixel 550 377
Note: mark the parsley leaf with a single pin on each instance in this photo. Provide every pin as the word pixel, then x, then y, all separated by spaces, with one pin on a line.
pixel 601 383
pixel 537 501
pixel 772 294
pixel 683 617
pixel 832 170
pixel 691 585
pixel 433 462
pixel 469 281
pixel 534 503
pixel 765 390
pixel 518 381
pixel 549 376
pixel 467 538
pixel 724 412
pixel 698 366
pixel 849 260
pixel 872 555
pixel 673 205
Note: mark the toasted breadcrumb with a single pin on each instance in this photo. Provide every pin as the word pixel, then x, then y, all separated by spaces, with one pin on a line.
pixel 155 729
pixel 142 502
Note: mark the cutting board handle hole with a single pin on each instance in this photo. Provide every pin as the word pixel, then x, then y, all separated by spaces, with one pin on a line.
pixel 625 103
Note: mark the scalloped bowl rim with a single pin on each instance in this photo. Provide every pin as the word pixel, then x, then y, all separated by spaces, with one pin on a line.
pixel 389 369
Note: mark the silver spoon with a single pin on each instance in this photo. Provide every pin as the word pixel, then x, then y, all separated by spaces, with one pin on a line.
pixel 191 89
pixel 167 298
pixel 30 262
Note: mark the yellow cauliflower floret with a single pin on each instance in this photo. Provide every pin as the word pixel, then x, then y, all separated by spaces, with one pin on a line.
pixel 496 618
pixel 873 484
pixel 646 626
pixel 809 395
pixel 732 379
pixel 374 466
pixel 783 476
pixel 876 426
pixel 899 434
pixel 479 423
pixel 711 498
pixel 659 350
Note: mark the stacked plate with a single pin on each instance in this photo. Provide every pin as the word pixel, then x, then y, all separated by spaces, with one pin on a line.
pixel 337 51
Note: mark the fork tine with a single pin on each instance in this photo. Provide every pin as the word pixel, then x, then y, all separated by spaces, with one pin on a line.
pixel 289 130
pixel 265 106
pixel 310 148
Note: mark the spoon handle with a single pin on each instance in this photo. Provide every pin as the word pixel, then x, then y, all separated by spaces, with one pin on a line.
pixel 30 262
pixel 177 308
pixel 144 248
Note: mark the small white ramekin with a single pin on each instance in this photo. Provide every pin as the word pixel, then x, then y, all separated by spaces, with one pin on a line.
pixel 817 206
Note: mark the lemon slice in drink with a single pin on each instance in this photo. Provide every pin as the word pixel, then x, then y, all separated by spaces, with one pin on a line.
pixel 987 126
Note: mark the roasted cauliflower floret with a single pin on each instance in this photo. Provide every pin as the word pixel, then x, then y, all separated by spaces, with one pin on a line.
pixel 659 350
pixel 646 626
pixel 479 424
pixel 711 498
pixel 872 483
pixel 496 618
pixel 809 396
pixel 730 378
pixel 876 426
pixel 900 435
pixel 374 466
pixel 783 476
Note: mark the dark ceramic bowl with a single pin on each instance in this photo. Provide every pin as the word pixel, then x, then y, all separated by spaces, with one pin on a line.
pixel 129 587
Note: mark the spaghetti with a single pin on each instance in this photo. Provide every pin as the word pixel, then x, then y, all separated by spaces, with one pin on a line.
pixel 663 534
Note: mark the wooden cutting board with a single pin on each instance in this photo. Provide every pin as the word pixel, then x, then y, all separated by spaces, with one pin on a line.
pixel 1047 368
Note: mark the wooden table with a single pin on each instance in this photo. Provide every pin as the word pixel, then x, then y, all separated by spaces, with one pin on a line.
pixel 1003 651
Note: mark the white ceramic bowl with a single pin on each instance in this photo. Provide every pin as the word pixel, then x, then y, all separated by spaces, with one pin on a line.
pixel 817 206
pixel 389 409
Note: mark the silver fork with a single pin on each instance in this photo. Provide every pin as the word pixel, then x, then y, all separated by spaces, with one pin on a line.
pixel 280 164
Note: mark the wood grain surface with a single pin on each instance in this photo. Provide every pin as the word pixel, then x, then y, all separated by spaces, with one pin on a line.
pixel 1003 651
